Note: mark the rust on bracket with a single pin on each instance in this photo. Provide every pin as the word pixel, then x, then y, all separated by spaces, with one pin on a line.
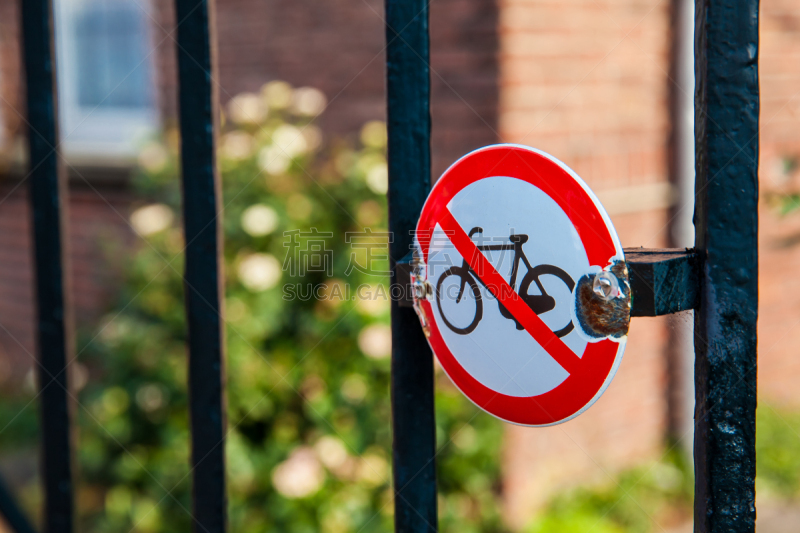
pixel 603 302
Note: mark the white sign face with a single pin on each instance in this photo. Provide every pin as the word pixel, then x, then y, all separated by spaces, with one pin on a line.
pixel 505 235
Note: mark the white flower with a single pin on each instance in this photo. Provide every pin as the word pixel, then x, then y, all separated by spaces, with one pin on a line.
pixel 259 272
pixel 313 137
pixel 151 219
pixel 278 94
pixel 308 101
pixel 273 160
pixel 376 341
pixel 247 108
pixel 259 220
pixel 237 145
pixel 289 140
pixel 331 452
pixel 378 179
pixel 300 475
pixel 153 157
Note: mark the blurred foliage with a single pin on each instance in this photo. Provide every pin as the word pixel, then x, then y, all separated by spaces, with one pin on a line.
pixel 309 442
pixel 650 498
pixel 781 192
pixel 777 452
pixel 659 496
pixel 788 203
pixel 309 419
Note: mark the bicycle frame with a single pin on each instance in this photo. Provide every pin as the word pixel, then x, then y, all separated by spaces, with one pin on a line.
pixel 541 303
pixel 517 240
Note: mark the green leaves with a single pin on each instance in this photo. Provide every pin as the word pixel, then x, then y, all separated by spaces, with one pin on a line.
pixel 308 370
pixel 778 452
pixel 654 497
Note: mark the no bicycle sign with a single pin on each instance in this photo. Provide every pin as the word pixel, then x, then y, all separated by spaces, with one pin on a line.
pixel 513 256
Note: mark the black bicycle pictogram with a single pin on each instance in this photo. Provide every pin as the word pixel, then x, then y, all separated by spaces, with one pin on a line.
pixel 540 303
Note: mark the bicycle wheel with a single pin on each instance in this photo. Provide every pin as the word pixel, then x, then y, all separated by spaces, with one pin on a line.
pixel 533 277
pixel 465 277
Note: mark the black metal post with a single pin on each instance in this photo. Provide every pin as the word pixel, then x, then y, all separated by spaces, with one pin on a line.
pixel 726 221
pixel 48 204
pixel 203 276
pixel 409 124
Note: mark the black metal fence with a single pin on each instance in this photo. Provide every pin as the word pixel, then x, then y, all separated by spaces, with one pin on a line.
pixel 723 269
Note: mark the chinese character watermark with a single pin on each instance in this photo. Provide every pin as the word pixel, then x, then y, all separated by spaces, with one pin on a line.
pixel 368 249
pixel 307 251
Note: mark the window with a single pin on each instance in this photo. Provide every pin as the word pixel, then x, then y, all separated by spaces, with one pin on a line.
pixel 105 74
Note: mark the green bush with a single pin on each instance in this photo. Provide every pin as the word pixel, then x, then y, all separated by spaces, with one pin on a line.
pixel 309 419
pixel 658 496
pixel 777 452
pixel 309 441
pixel 641 500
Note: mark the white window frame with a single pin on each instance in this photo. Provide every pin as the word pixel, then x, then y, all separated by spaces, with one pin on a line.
pixel 101 133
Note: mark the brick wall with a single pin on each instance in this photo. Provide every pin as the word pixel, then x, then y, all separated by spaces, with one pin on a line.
pixel 779 246
pixel 97 227
pixel 338 47
pixel 9 71
pixel 586 82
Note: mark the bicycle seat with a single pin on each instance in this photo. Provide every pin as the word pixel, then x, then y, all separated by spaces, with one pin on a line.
pixel 518 238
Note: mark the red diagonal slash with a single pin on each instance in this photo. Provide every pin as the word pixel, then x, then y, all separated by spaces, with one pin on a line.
pixel 505 294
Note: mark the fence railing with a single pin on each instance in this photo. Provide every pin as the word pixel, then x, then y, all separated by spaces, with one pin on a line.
pixel 726 226
pixel 47 189
pixel 726 109
pixel 409 128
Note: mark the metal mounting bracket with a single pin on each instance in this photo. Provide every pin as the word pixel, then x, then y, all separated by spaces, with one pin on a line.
pixel 663 280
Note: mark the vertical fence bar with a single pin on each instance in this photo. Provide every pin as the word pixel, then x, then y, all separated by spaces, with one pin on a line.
pixel 48 205
pixel 203 276
pixel 409 125
pixel 726 218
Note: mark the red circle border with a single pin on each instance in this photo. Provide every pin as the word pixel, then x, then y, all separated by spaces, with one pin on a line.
pixel 600 359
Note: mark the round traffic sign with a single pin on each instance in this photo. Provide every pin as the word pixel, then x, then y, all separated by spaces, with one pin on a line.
pixel 503 239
